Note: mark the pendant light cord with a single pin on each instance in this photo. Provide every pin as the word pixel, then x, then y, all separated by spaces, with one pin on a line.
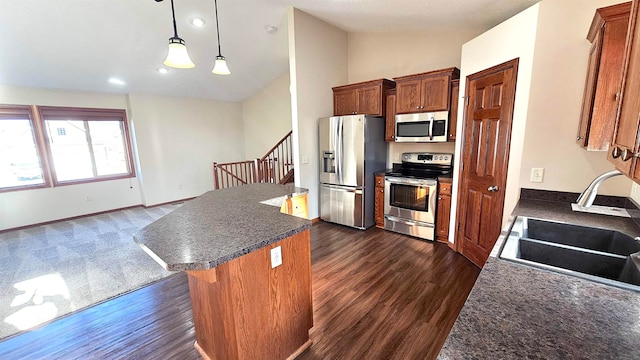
pixel 217 26
pixel 175 28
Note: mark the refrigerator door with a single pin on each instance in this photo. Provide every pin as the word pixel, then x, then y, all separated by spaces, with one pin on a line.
pixel 341 140
pixel 342 205
pixel 352 150
pixel 328 138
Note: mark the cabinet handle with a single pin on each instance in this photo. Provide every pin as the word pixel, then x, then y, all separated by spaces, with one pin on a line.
pixel 615 152
pixel 444 189
pixel 627 155
pixel 439 198
pixel 417 107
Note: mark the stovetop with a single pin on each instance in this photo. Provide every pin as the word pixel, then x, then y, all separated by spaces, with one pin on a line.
pixel 423 165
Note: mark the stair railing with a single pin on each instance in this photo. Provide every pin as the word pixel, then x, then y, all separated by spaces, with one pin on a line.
pixel 276 166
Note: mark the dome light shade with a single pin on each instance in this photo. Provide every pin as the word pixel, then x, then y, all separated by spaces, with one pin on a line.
pixel 220 66
pixel 178 57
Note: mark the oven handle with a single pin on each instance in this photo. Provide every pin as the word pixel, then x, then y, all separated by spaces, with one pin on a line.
pixel 404 181
pixel 408 222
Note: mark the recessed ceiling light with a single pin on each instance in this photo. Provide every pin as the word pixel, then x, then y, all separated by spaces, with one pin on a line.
pixel 270 29
pixel 117 81
pixel 197 21
pixel 162 70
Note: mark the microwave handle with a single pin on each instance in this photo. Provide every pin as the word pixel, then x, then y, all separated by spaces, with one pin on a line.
pixel 431 128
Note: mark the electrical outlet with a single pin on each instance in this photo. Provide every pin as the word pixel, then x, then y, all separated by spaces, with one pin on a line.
pixel 276 257
pixel 179 186
pixel 537 175
pixel 87 197
pixel 305 159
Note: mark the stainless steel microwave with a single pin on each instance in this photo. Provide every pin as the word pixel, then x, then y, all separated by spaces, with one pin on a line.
pixel 422 127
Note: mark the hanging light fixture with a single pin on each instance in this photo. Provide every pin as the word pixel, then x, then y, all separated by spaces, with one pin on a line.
pixel 177 56
pixel 220 66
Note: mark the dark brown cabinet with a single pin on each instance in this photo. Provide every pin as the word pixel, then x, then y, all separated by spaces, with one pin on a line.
pixel 425 92
pixel 390 118
pixel 607 35
pixel 379 202
pixel 623 152
pixel 443 212
pixel 453 114
pixel 361 98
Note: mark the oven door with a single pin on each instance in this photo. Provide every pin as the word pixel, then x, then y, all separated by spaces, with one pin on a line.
pixel 410 199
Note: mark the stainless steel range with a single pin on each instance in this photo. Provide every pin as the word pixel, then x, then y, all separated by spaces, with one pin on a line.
pixel 410 193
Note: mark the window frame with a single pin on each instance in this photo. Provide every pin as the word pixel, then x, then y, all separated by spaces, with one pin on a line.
pixel 28 113
pixel 86 114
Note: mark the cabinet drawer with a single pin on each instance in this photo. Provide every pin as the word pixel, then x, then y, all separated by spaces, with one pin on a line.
pixel 445 188
pixel 379 181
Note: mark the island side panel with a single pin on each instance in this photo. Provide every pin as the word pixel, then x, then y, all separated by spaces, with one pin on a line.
pixel 254 311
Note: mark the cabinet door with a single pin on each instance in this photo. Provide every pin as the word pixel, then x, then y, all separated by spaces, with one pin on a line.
pixel 443 216
pixel 623 149
pixel 369 100
pixel 453 114
pixel 408 96
pixel 344 102
pixel 379 207
pixel 390 118
pixel 589 91
pixel 435 93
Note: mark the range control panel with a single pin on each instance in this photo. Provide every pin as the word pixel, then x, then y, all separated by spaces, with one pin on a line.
pixel 428 158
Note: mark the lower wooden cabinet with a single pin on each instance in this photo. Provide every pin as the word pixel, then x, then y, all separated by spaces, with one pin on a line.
pixel 379 201
pixel 443 213
pixel 296 206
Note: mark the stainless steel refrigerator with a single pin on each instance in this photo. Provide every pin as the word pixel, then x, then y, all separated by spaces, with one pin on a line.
pixel 352 149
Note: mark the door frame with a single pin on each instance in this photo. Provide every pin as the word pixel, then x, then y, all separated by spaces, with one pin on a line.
pixel 513 63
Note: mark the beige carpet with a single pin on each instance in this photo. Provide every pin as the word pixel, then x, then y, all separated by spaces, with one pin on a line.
pixel 51 270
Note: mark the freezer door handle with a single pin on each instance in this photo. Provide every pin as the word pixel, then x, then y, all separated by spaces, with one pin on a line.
pixel 343 189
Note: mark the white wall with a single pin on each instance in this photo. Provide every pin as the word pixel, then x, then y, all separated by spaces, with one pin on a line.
pixel 318 62
pixel 514 38
pixel 559 72
pixel 178 139
pixel 267 117
pixel 25 207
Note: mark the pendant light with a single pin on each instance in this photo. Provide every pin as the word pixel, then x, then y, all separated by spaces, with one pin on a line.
pixel 220 66
pixel 177 56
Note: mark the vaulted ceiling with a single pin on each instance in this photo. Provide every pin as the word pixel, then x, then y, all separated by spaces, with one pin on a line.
pixel 80 44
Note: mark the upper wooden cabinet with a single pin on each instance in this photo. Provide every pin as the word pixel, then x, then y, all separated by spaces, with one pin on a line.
pixel 624 151
pixel 453 114
pixel 425 92
pixel 361 98
pixel 390 119
pixel 607 34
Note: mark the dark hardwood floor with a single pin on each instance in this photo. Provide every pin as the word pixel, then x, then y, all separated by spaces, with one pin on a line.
pixel 376 295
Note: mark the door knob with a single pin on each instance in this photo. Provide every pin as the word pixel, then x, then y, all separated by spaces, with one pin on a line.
pixel 493 188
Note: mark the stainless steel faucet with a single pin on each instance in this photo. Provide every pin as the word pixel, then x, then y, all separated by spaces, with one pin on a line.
pixel 589 194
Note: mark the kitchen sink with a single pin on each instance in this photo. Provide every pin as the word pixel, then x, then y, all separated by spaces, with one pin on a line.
pixel 601 255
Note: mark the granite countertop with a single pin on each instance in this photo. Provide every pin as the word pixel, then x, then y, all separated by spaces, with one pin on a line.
pixel 221 225
pixel 520 312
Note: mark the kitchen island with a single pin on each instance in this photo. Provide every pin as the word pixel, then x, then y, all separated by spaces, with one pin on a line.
pixel 521 312
pixel 249 269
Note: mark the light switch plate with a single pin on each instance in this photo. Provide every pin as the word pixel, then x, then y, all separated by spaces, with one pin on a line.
pixel 276 257
pixel 305 159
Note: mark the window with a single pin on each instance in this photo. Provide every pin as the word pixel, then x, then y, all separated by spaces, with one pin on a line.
pixel 62 146
pixel 20 156
pixel 87 144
